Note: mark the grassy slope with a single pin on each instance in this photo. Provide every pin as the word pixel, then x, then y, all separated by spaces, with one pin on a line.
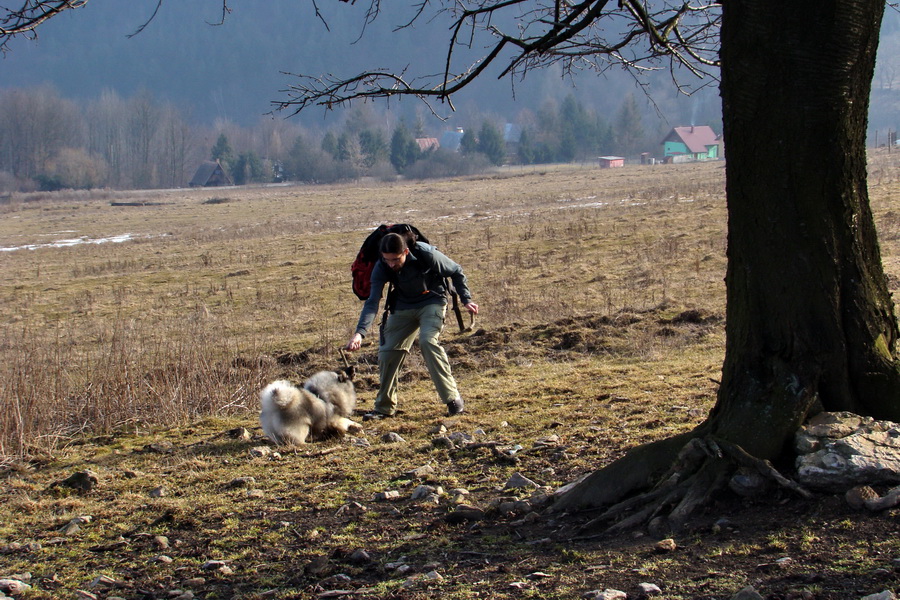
pixel 603 300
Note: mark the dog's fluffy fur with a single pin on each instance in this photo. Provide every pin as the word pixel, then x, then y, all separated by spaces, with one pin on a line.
pixel 292 415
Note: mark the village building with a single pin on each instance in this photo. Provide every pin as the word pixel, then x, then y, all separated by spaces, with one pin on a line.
pixel 210 173
pixel 450 140
pixel 691 143
pixel 427 144
pixel 610 162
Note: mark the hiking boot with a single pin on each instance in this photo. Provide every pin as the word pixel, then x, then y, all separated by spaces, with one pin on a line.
pixel 374 415
pixel 455 407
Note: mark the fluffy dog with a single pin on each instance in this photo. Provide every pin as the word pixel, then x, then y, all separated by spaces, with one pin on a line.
pixel 292 415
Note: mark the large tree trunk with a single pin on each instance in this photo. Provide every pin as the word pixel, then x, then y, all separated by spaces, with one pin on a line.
pixel 809 319
pixel 809 316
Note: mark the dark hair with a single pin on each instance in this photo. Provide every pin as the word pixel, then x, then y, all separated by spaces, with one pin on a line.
pixel 393 243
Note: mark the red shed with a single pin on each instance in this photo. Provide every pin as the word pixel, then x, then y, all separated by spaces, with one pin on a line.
pixel 609 162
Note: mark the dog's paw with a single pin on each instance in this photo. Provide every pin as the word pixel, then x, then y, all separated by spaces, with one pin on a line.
pixel 354 428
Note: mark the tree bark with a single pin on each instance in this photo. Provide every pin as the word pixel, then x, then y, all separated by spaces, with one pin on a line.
pixel 809 317
pixel 809 320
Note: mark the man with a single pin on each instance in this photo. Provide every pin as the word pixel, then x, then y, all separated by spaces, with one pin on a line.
pixel 418 304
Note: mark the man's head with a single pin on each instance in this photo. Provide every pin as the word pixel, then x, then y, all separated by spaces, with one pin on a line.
pixel 394 251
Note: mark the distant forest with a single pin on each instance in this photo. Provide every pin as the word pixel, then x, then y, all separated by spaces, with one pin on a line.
pixel 48 142
pixel 85 105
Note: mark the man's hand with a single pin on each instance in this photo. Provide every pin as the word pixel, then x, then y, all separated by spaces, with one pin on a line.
pixel 472 308
pixel 354 343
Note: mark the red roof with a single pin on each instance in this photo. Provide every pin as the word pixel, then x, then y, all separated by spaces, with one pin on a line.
pixel 426 144
pixel 696 137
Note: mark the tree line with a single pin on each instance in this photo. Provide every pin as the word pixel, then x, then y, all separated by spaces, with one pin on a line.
pixel 48 142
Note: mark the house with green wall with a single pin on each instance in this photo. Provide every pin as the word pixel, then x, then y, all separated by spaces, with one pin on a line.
pixel 694 142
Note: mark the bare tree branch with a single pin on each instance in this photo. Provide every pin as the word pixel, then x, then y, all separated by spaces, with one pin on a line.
pixel 638 35
pixel 32 13
pixel 588 35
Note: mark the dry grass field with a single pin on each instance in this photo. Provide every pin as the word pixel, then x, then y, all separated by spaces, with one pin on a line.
pixel 137 330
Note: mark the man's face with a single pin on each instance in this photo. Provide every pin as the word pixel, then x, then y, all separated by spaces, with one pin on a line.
pixel 395 261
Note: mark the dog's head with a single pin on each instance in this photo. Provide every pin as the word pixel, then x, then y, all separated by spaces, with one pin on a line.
pixel 346 373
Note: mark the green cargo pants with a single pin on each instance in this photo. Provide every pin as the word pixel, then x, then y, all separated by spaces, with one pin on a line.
pixel 398 336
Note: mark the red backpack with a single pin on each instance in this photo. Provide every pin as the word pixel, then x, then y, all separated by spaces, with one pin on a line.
pixel 361 269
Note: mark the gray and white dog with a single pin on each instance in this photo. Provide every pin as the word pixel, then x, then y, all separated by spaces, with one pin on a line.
pixel 292 415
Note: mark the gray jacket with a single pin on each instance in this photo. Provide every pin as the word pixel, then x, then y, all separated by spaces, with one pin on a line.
pixel 418 283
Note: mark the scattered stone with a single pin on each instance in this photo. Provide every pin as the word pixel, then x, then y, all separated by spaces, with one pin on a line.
pixel 748 483
pixel 394 565
pixel 502 502
pixel 609 594
pixel 164 447
pixel 419 472
pixel 459 438
pixel 239 433
pixel 424 492
pixel 240 482
pixel 16 547
pixel 433 576
pixel 131 474
pixel 83 481
pixel 216 565
pixel 361 442
pixel 538 575
pixel 458 495
pixel 889 500
pixel 520 481
pixel 666 545
pixel 840 450
pixel 161 541
pixel 352 508
pixel 103 581
pixel 261 451
pixel 360 557
pixel 162 559
pixel 392 438
pixel 884 595
pixel 84 595
pixel 778 564
pixel 857 496
pixel 548 442
pixel 463 513
pixel 541 498
pixel 440 429
pixel 648 590
pixel 13 587
pixel 443 442
pixel 748 593
pixel 194 582
pixel 386 496
pixel 723 523
pixel 158 492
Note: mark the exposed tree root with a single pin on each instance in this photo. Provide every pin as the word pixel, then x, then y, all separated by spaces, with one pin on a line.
pixel 701 469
